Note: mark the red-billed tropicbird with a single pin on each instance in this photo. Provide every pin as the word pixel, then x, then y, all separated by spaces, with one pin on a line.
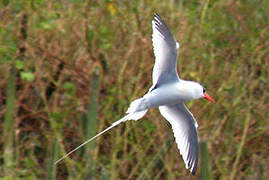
pixel 169 93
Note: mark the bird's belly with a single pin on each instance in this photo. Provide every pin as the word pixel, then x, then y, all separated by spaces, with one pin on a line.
pixel 165 95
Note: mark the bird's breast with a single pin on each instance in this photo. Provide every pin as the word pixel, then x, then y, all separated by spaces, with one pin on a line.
pixel 165 95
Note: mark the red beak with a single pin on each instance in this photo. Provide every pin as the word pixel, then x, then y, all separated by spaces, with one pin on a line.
pixel 209 98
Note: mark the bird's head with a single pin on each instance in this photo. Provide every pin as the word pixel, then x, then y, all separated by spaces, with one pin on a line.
pixel 206 96
pixel 200 92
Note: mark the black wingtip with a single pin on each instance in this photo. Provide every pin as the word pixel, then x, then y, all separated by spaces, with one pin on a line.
pixel 156 15
pixel 193 172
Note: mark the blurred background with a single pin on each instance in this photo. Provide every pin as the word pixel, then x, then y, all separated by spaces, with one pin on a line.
pixel 70 68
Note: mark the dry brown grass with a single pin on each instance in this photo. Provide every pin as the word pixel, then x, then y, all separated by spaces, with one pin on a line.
pixel 227 52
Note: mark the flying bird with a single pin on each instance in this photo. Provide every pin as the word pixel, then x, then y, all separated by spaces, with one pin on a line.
pixel 168 92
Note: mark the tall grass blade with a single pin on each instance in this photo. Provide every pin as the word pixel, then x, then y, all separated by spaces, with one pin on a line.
pixel 204 11
pixel 51 168
pixel 241 145
pixel 205 162
pixel 9 122
pixel 157 159
pixel 90 123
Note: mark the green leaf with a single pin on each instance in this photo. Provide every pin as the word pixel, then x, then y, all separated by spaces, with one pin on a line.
pixel 46 25
pixel 68 85
pixel 5 2
pixel 27 75
pixel 19 64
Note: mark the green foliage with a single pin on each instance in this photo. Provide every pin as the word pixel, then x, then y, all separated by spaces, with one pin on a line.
pixel 27 75
pixel 90 125
pixel 5 2
pixel 223 46
pixel 19 64
pixel 51 168
pixel 8 127
pixel 205 161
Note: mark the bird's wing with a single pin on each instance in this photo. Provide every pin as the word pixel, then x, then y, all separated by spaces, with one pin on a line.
pixel 184 127
pixel 165 50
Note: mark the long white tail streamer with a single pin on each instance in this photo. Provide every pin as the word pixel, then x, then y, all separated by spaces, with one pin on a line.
pixel 94 137
pixel 134 116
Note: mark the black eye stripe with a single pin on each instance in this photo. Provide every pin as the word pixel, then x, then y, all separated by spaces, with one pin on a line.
pixel 203 90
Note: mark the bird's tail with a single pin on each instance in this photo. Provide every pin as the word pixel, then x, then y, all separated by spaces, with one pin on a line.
pixel 136 110
pixel 138 105
pixel 131 116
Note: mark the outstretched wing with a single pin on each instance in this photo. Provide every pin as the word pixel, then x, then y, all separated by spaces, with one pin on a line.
pixel 165 50
pixel 184 128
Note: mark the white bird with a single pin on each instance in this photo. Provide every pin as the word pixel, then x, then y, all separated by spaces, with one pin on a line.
pixel 169 93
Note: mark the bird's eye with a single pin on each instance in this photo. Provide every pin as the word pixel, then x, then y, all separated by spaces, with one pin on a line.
pixel 203 90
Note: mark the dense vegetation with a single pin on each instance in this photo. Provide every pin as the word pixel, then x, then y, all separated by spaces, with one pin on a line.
pixel 70 68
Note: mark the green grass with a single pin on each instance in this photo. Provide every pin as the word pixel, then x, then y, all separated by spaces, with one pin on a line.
pixel 224 46
pixel 205 169
pixel 8 125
